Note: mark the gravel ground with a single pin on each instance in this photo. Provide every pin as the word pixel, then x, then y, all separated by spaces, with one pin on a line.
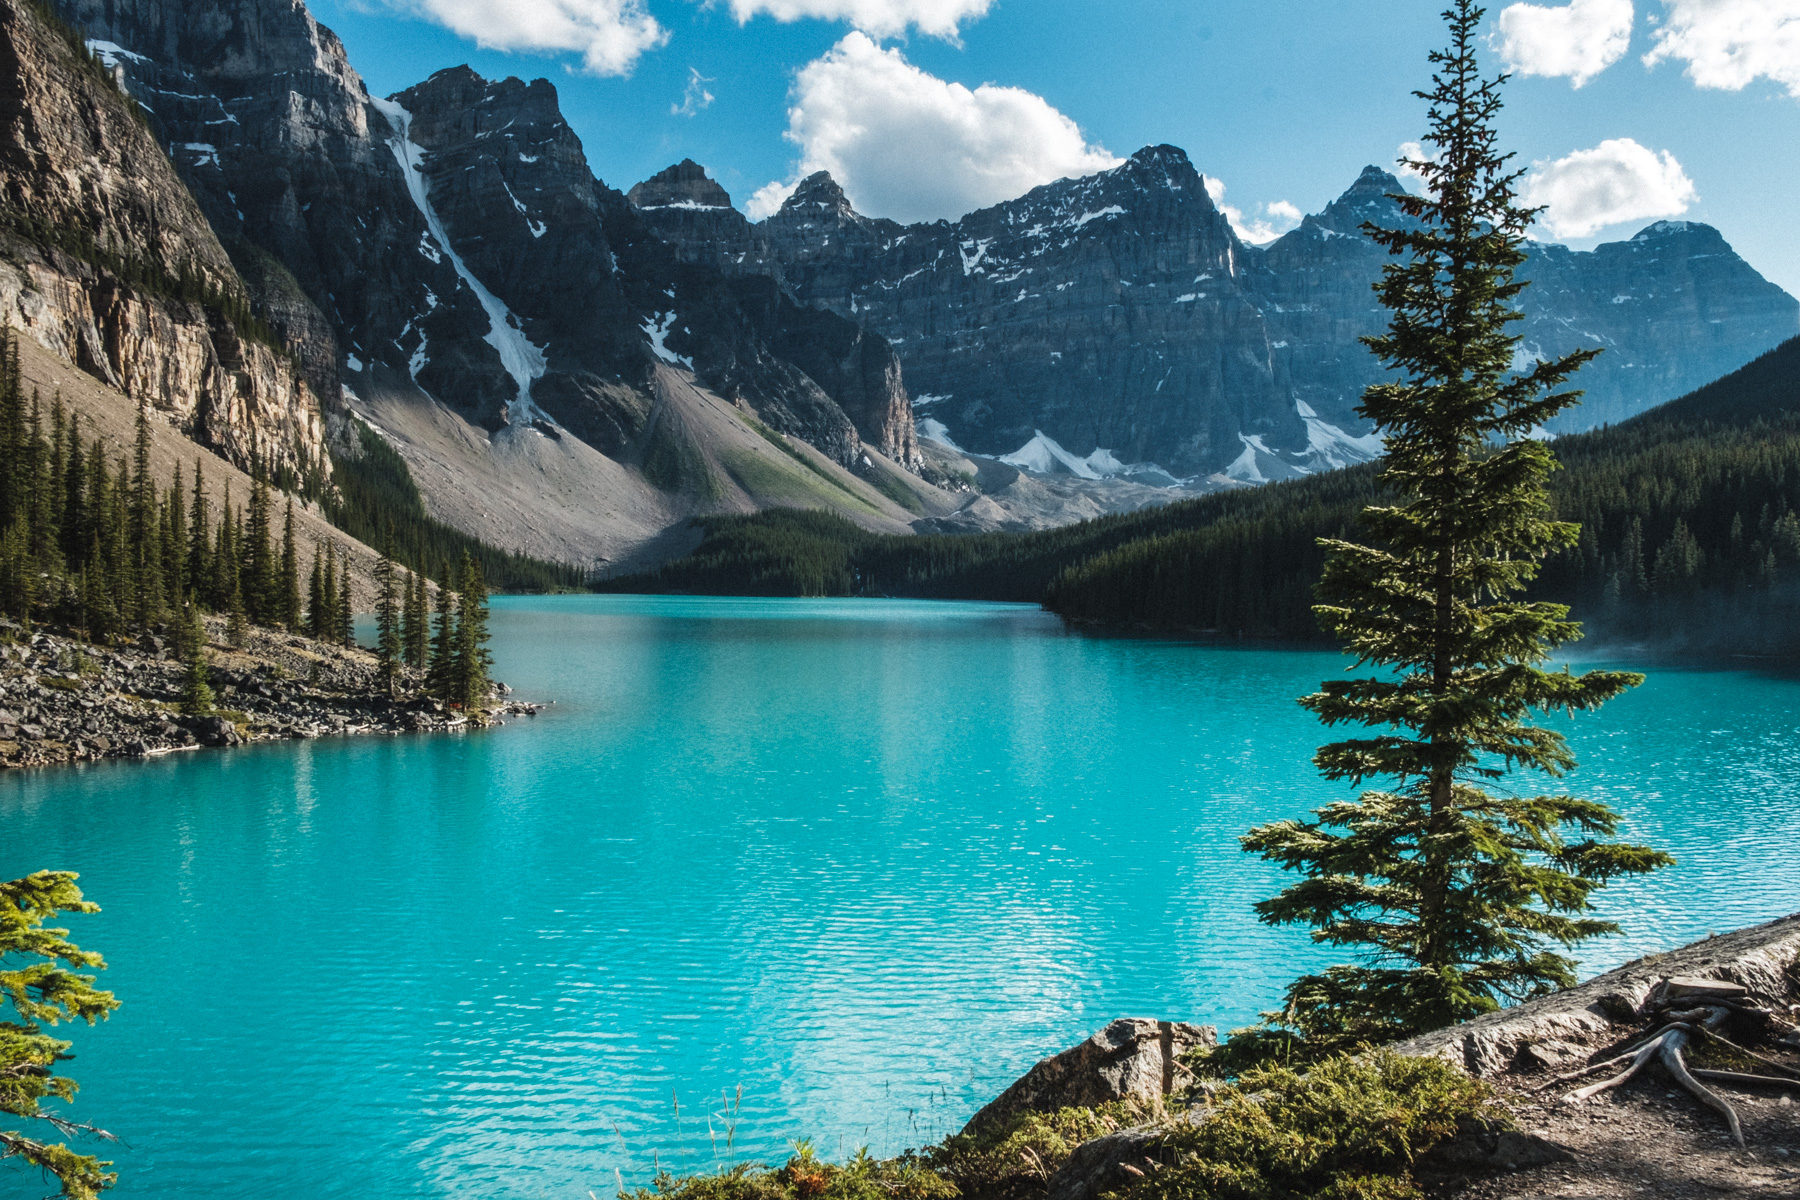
pixel 64 700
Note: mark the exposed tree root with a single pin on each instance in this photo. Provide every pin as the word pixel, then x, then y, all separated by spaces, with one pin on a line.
pixel 1747 1080
pixel 1669 1044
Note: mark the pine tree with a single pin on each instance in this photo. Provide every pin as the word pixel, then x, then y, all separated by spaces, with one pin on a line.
pixel 316 622
pixel 417 624
pixel 472 657
pixel 175 543
pixel 76 531
pixel 223 590
pixel 146 567
pixel 440 676
pixel 260 584
pixel 41 979
pixel 388 646
pixel 330 624
pixel 346 615
pixel 196 685
pixel 1452 890
pixel 289 615
pixel 200 550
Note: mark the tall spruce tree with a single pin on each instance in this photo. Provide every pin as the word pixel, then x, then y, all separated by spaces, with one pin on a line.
pixel 1452 891
pixel 315 596
pixel 289 615
pixel 329 622
pixel 389 648
pixel 472 657
pixel 346 614
pixel 200 548
pixel 415 633
pixel 259 571
pixel 440 673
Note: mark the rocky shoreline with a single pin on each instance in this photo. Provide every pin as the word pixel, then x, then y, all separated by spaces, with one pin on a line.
pixel 64 700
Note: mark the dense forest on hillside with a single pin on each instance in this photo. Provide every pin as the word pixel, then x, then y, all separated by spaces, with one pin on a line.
pixel 1687 513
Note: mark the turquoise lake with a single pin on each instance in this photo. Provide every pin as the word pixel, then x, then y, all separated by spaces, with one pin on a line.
pixel 830 868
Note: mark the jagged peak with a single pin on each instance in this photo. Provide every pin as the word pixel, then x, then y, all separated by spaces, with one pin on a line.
pixel 818 192
pixel 1669 229
pixel 684 185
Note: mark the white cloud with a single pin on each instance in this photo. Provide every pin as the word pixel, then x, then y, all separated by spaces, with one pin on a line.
pixel 694 96
pixel 910 146
pixel 1728 43
pixel 1616 181
pixel 610 35
pixel 883 18
pixel 767 200
pixel 1277 218
pixel 1578 40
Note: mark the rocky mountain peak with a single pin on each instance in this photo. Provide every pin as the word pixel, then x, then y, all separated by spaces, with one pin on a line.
pixel 1364 200
pixel 684 185
pixel 818 194
pixel 1165 166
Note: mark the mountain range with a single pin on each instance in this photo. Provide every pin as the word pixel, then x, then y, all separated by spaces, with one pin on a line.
pixel 205 208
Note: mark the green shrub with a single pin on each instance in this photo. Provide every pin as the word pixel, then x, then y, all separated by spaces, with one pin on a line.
pixel 1349 1129
pixel 1016 1158
pixel 805 1176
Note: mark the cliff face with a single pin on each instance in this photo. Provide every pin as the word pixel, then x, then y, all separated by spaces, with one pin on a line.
pixel 589 300
pixel 106 258
pixel 450 240
pixel 1119 314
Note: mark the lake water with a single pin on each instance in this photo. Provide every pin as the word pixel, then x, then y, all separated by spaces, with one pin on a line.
pixel 767 869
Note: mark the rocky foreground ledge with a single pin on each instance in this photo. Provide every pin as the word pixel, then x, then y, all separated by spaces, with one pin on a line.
pixel 1646 1137
pixel 64 700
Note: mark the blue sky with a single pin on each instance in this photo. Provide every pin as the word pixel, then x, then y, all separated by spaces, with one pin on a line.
pixel 1283 101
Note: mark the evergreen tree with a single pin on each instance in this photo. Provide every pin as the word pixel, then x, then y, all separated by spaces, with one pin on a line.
pixel 40 978
pixel 316 621
pixel 76 531
pixel 346 630
pixel 200 566
pixel 289 616
pixel 440 675
pixel 175 543
pixel 1452 889
pixel 196 686
pixel 146 567
pixel 472 657
pixel 224 591
pixel 18 572
pixel 329 622
pixel 388 645
pixel 416 626
pixel 260 574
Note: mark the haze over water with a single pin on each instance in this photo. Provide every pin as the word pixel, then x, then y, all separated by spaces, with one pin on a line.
pixel 865 860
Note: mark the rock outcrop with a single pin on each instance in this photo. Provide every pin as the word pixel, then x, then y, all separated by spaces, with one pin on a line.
pixel 1119 317
pixel 108 260
pixel 1133 1058
pixel 1568 1023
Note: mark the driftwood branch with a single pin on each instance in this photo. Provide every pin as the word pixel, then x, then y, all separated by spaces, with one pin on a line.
pixel 1748 1080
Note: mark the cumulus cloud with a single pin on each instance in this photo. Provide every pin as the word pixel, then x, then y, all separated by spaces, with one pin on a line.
pixel 1578 40
pixel 883 18
pixel 610 35
pixel 1728 43
pixel 907 145
pixel 1276 219
pixel 1616 181
pixel 694 96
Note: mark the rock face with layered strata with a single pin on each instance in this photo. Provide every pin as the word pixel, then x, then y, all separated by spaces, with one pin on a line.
pixel 109 261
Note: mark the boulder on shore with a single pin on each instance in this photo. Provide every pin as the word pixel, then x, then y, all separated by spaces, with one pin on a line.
pixel 1132 1058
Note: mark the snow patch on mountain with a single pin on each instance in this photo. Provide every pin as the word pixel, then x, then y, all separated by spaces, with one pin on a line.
pixel 523 360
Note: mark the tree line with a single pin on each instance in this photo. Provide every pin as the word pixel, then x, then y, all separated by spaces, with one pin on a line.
pixel 91 542
pixel 1688 514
